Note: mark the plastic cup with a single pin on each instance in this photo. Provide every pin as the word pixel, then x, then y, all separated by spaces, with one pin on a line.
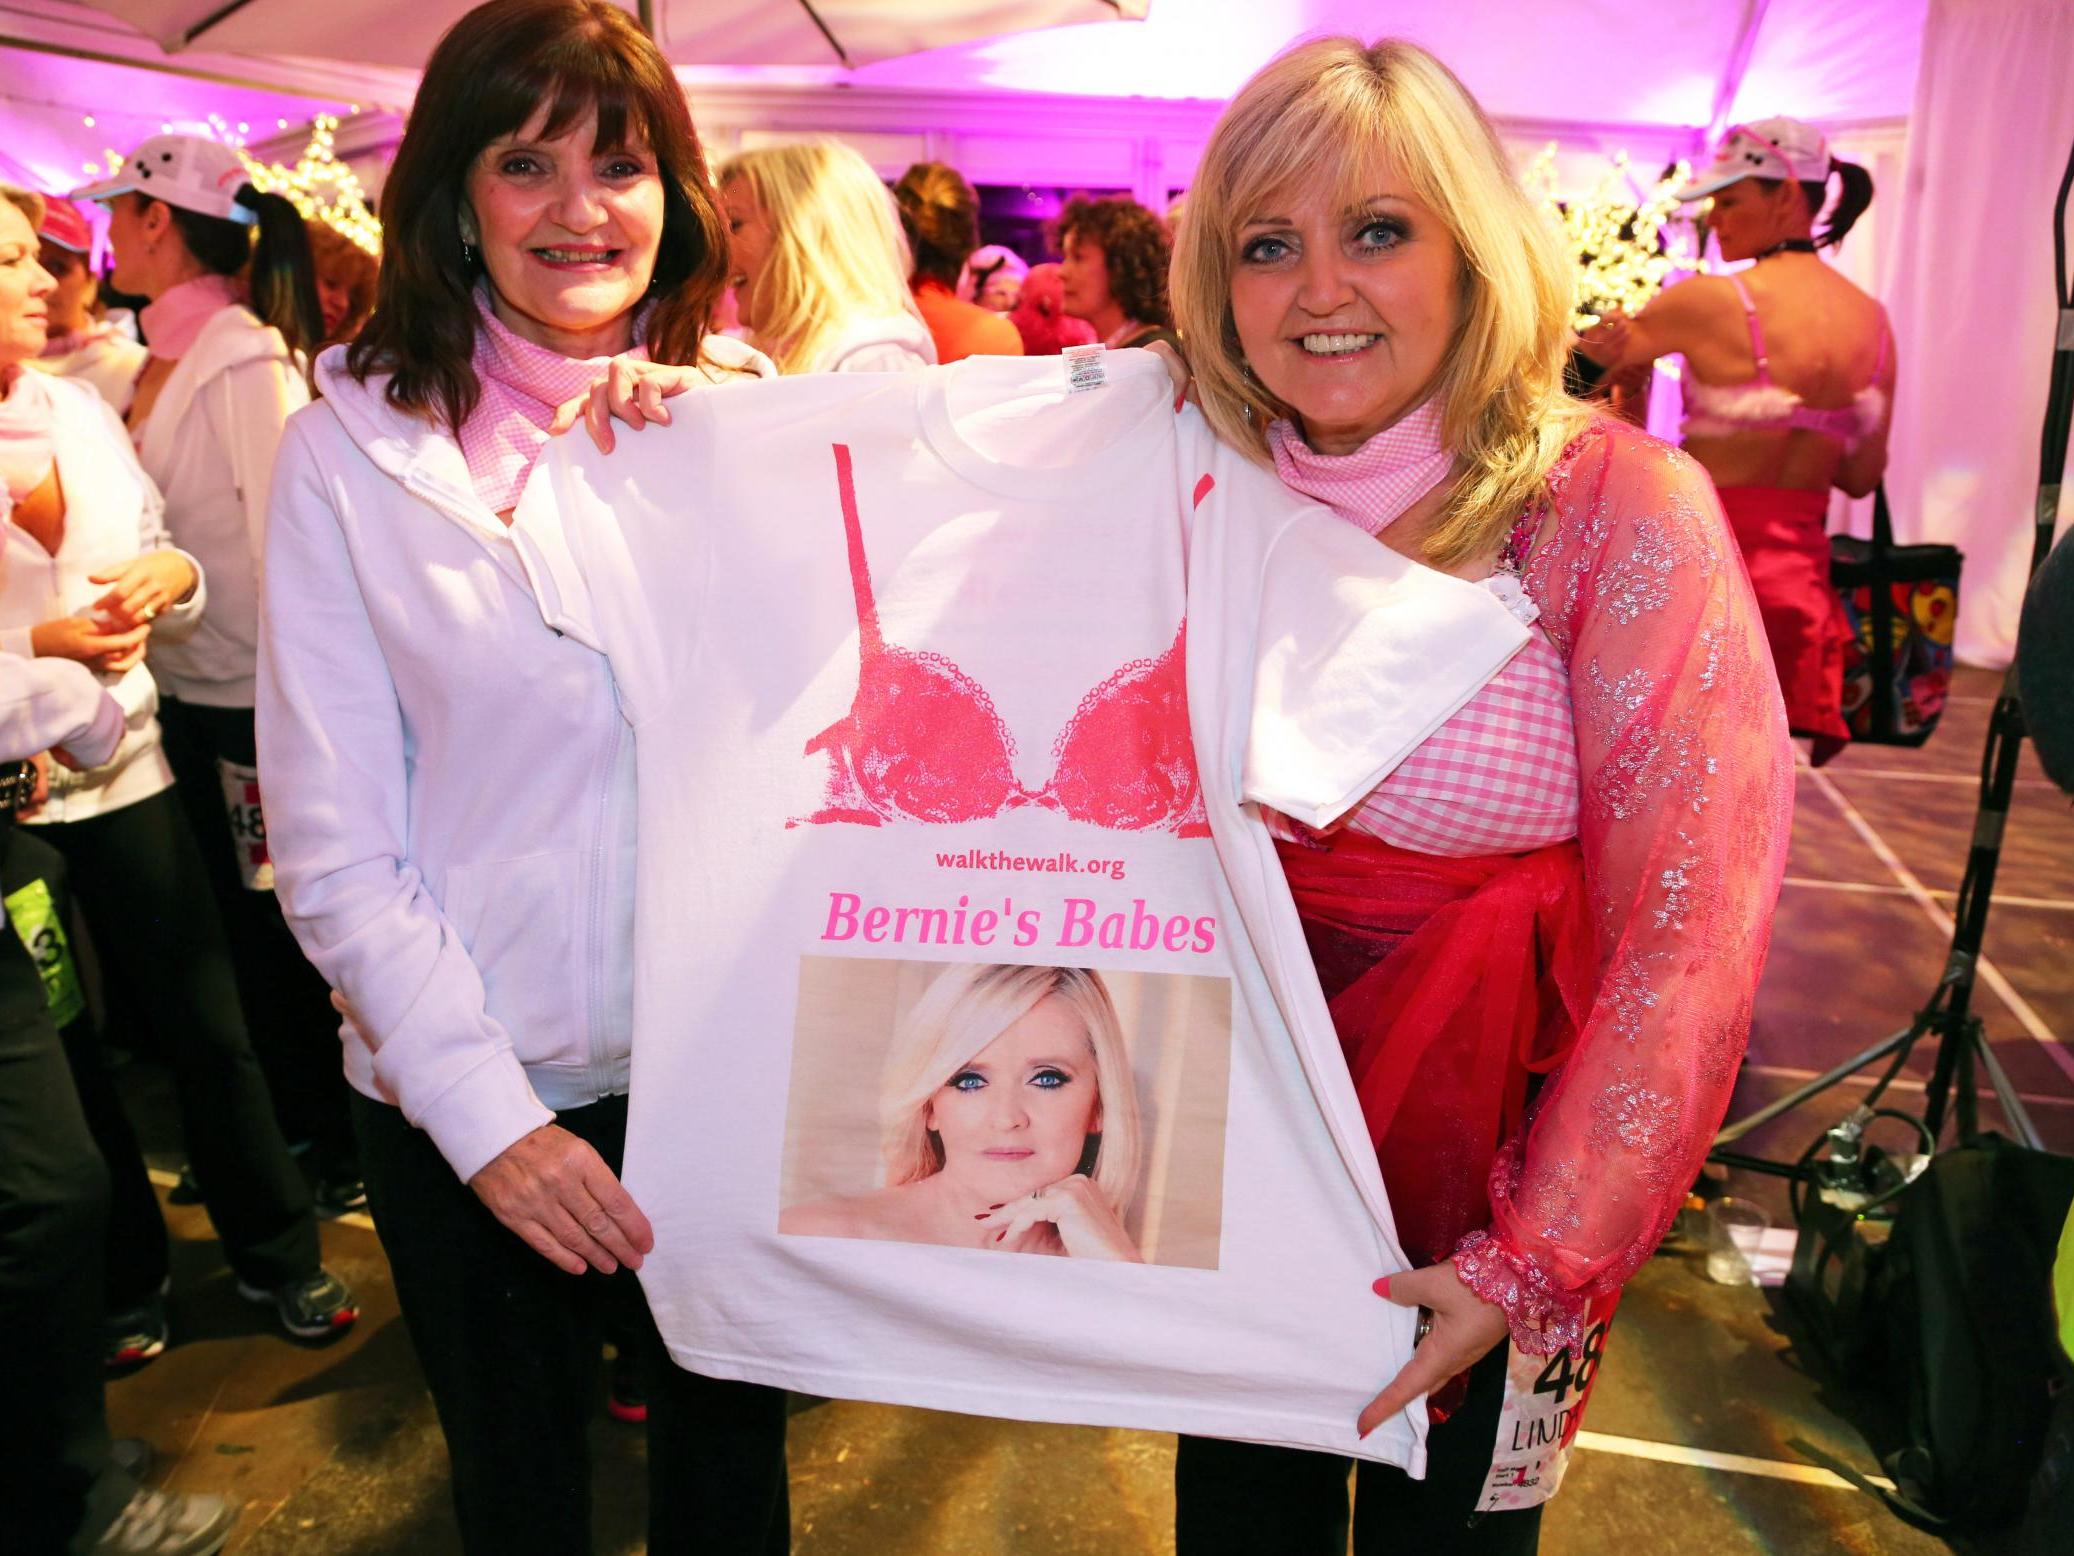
pixel 1734 1229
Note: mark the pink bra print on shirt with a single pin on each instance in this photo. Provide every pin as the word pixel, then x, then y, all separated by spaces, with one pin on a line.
pixel 922 740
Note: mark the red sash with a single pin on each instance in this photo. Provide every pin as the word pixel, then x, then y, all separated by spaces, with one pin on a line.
pixel 1452 982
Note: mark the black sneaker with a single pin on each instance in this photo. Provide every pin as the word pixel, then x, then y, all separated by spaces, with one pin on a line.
pixel 165 1523
pixel 338 1195
pixel 316 1307
pixel 137 1335
pixel 185 1191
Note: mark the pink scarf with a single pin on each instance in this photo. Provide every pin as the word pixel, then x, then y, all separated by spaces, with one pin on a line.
pixel 1379 480
pixel 173 319
pixel 79 339
pixel 522 387
pixel 26 454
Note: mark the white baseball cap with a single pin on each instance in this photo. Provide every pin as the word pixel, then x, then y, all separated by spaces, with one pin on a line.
pixel 189 171
pixel 1765 148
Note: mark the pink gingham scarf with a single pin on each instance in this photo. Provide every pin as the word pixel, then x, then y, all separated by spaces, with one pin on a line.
pixel 522 387
pixel 1379 480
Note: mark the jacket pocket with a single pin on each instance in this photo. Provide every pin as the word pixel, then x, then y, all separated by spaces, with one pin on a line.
pixel 521 922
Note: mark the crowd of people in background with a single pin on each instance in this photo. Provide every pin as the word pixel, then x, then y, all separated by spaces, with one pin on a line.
pixel 153 360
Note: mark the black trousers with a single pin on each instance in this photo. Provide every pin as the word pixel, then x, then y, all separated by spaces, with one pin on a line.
pixel 1242 1499
pixel 137 1253
pixel 57 1484
pixel 510 1347
pixel 286 1001
pixel 138 878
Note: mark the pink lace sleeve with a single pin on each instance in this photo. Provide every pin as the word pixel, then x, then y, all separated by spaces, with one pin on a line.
pixel 1687 803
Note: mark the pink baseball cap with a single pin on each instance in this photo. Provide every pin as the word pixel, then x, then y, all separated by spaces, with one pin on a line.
pixel 189 171
pixel 1765 148
pixel 64 225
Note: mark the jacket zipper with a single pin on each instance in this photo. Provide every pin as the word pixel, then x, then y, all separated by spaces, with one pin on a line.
pixel 596 1062
pixel 602 842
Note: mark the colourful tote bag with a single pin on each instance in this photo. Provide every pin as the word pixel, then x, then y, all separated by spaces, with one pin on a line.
pixel 1902 603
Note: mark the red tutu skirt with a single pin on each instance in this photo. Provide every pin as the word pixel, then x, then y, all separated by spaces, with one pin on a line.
pixel 1781 532
pixel 1452 984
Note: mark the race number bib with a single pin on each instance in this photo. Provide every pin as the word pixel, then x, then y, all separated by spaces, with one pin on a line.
pixel 34 913
pixel 1545 1398
pixel 247 823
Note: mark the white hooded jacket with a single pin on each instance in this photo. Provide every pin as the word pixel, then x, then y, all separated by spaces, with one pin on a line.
pixel 112 514
pixel 209 443
pixel 897 343
pixel 449 782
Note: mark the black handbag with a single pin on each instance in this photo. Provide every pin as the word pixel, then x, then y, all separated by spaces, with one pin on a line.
pixel 1969 1339
pixel 1902 603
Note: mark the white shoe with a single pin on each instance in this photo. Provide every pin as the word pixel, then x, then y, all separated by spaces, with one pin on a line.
pixel 164 1523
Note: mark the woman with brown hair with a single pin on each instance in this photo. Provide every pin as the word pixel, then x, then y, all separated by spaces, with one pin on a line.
pixel 450 783
pixel 1788 386
pixel 345 274
pixel 941 214
pixel 1114 271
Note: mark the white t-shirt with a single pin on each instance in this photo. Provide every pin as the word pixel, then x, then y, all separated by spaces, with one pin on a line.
pixel 955 946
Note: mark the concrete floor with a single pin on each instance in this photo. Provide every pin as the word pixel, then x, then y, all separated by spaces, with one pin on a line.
pixel 336 1450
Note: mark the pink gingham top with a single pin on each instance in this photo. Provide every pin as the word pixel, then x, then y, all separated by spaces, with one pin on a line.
pixel 1501 776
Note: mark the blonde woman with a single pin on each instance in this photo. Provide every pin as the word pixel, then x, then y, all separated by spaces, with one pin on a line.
pixel 1009 1121
pixel 1540 935
pixel 820 264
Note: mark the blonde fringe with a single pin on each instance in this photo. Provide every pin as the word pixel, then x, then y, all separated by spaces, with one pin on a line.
pixel 837 249
pixel 1340 105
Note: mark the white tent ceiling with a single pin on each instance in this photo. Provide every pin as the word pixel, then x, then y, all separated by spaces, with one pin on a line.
pixel 1679 62
pixel 1665 62
pixel 1689 65
pixel 759 32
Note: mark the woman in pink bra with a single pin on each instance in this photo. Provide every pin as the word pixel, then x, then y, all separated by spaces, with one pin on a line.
pixel 1789 385
pixel 1541 934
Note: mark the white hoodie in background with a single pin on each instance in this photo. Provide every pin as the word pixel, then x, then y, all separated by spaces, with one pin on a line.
pixel 112 514
pixel 48 704
pixel 897 343
pixel 209 443
pixel 102 357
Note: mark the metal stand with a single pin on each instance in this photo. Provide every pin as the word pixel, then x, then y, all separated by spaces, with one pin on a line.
pixel 1961 1041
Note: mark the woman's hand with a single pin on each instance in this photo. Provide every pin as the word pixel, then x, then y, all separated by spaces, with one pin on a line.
pixel 1177 370
pixel 145 587
pixel 88 643
pixel 556 1192
pixel 1086 1224
pixel 631 390
pixel 1465 1329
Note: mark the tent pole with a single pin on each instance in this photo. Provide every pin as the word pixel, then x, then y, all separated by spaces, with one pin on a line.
pixel 1738 66
pixel 220 14
pixel 834 42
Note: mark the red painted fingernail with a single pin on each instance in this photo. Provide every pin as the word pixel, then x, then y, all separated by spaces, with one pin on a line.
pixel 982 1215
pixel 1000 1234
pixel 1364 1435
pixel 1382 1287
pixel 997 1207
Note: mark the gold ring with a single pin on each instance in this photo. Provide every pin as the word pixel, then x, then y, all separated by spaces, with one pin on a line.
pixel 1424 1329
pixel 150 613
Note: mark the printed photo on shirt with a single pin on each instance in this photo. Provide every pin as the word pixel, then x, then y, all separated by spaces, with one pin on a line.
pixel 1009 1108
